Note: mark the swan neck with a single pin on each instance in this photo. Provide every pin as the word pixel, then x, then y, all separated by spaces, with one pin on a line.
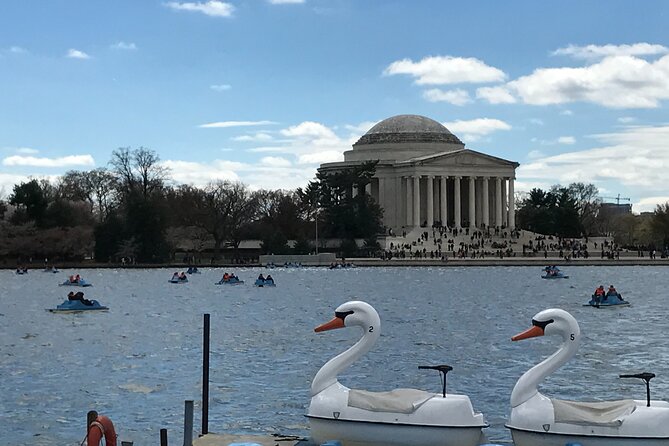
pixel 526 387
pixel 327 375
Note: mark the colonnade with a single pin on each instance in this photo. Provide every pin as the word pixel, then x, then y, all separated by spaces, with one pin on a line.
pixel 484 201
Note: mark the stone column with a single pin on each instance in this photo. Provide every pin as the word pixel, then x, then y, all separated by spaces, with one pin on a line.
pixel 354 191
pixel 512 206
pixel 443 203
pixel 416 200
pixel 368 188
pixel 498 201
pixel 382 193
pixel 486 203
pixel 472 202
pixel 456 198
pixel 400 206
pixel 504 201
pixel 430 201
pixel 409 206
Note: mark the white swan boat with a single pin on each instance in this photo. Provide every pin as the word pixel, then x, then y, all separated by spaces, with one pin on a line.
pixel 538 420
pixel 406 417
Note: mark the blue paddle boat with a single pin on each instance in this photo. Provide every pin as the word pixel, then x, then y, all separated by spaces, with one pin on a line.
pixel 553 272
pixel 77 306
pixel 193 270
pixel 607 301
pixel 264 283
pixel 178 280
pixel 231 281
pixel 76 282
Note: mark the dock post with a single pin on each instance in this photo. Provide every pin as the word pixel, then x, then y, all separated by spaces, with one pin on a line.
pixel 188 423
pixel 205 377
pixel 163 437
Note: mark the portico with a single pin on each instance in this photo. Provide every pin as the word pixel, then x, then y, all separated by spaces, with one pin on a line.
pixel 426 176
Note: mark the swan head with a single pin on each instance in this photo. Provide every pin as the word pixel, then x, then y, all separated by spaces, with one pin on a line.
pixel 553 321
pixel 353 313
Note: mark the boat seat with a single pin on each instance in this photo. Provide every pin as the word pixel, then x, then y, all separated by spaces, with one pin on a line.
pixel 398 400
pixel 607 413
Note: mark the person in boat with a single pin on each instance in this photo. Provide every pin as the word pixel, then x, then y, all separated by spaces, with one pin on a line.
pixel 77 279
pixel 261 277
pixel 78 296
pixel 611 291
pixel 182 276
pixel 98 427
pixel 269 279
pixel 175 276
pixel 599 294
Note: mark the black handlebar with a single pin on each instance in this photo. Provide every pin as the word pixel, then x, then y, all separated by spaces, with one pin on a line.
pixel 443 369
pixel 646 376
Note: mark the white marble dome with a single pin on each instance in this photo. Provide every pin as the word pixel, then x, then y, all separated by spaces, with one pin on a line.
pixel 407 129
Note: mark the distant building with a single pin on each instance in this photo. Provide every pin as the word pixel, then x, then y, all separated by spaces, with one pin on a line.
pixel 616 209
pixel 425 175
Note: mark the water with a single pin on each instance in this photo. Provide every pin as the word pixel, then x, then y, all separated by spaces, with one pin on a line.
pixel 138 362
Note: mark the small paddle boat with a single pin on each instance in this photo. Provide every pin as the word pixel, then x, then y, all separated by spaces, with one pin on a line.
pixel 50 270
pixel 231 281
pixel 193 270
pixel 21 272
pixel 553 272
pixel 77 306
pixel 539 420
pixel 607 301
pixel 407 417
pixel 264 282
pixel 178 280
pixel 75 282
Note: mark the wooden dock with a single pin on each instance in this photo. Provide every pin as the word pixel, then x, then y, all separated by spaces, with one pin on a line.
pixel 263 440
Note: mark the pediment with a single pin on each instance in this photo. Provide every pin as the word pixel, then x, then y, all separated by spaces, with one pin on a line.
pixel 463 158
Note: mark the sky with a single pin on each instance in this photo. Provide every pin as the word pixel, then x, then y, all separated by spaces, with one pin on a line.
pixel 264 91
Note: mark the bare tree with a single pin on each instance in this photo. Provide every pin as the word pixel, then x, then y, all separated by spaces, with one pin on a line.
pixel 139 170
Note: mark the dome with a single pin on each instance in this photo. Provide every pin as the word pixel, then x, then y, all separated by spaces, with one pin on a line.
pixel 408 129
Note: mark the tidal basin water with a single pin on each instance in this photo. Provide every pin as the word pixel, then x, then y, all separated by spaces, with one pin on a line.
pixel 138 362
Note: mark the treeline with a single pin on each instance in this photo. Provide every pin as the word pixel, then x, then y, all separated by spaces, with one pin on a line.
pixel 132 209
pixel 577 211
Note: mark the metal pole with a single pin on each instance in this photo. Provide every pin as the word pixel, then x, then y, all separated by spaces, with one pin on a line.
pixel 163 437
pixel 205 377
pixel 188 423
pixel 317 231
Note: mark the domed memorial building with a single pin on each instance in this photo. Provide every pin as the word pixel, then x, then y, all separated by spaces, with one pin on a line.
pixel 426 176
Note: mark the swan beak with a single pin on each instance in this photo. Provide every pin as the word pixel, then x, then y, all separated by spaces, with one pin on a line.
pixel 529 333
pixel 337 322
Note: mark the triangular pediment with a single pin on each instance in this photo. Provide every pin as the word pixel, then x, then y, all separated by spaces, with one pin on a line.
pixel 463 157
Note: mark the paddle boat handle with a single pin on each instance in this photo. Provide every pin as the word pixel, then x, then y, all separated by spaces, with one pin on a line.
pixel 443 369
pixel 646 377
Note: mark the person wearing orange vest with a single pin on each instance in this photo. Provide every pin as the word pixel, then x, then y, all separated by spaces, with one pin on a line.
pixel 100 426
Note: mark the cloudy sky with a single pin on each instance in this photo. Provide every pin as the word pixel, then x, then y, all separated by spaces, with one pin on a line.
pixel 263 91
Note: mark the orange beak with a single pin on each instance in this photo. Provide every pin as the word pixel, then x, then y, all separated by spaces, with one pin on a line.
pixel 529 333
pixel 335 323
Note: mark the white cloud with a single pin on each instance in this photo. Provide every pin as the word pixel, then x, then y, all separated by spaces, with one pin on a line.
pixel 566 113
pixel 220 87
pixel 72 160
pixel 258 137
pixel 228 124
pixel 275 161
pixel 211 8
pixel 455 97
pixel 439 70
pixel 286 2
pixel 536 121
pixel 569 140
pixel 123 46
pixel 474 129
pixel 495 95
pixel 21 150
pixel 536 154
pixel 199 174
pixel 648 204
pixel 636 157
pixel 309 129
pixel 360 129
pixel 615 82
pixel 601 51
pixel 77 54
pixel 626 119
pixel 17 50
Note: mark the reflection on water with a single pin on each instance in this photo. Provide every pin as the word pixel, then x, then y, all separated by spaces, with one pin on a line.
pixel 141 360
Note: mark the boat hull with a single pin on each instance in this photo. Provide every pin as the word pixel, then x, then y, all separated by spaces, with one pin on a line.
pixel 365 433
pixel 532 438
pixel 76 306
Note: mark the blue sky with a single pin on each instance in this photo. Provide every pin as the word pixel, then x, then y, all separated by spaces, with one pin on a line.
pixel 263 91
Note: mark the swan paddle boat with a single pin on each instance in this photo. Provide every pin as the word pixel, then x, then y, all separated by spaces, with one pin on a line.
pixel 407 417
pixel 539 420
pixel 611 300
pixel 77 306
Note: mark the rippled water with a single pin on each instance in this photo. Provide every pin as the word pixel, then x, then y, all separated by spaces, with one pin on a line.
pixel 142 359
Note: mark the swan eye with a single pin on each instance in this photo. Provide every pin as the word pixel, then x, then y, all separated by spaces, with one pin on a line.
pixel 541 324
pixel 342 314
